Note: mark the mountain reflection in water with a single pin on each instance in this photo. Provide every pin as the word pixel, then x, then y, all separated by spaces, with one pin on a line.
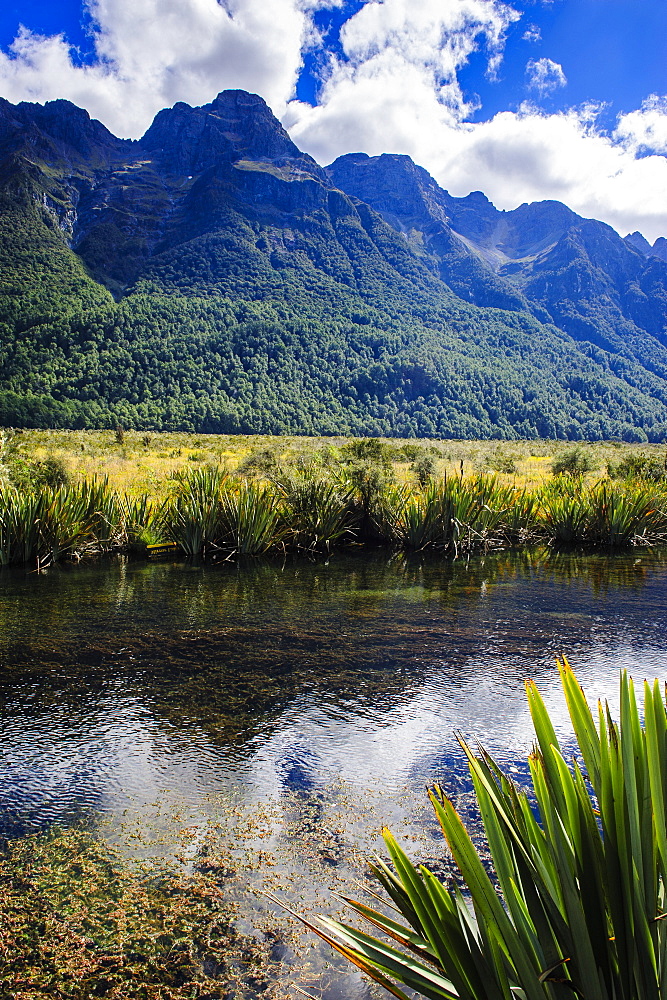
pixel 117 678
pixel 157 690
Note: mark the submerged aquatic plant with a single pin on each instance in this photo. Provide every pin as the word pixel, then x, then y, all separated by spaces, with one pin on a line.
pixel 577 900
pixel 79 921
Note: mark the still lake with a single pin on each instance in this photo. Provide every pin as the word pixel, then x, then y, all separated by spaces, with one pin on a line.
pixel 296 706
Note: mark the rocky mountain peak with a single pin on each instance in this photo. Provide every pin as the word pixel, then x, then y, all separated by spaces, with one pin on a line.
pixel 659 248
pixel 392 183
pixel 639 242
pixel 69 128
pixel 235 126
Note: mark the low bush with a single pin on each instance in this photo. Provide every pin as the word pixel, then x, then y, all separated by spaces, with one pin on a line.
pixel 573 462
pixel 639 466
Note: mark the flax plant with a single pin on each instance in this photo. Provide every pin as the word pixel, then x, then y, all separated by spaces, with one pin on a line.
pixel 416 521
pixel 575 905
pixel 250 518
pixel 193 517
pixel 140 521
pixel 317 513
pixel 564 511
pixel 20 516
pixel 102 510
pixel 619 516
pixel 66 523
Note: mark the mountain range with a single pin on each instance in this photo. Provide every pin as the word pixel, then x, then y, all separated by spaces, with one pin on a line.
pixel 213 277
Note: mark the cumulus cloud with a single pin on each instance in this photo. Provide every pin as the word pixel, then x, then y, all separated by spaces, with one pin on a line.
pixel 395 89
pixel 397 77
pixel 545 75
pixel 645 130
pixel 517 156
pixel 152 53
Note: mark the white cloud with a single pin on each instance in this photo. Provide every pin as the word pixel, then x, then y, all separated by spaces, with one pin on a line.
pixel 645 130
pixel 545 75
pixel 529 156
pixel 397 79
pixel 152 53
pixel 513 158
pixel 396 90
pixel 532 33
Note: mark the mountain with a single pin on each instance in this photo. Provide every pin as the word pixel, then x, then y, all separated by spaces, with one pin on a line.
pixel 573 272
pixel 211 276
pixel 639 242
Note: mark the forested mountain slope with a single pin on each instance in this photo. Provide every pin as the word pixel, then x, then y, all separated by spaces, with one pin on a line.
pixel 211 276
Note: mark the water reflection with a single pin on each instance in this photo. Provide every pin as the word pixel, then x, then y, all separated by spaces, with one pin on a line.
pixel 121 678
pixel 168 694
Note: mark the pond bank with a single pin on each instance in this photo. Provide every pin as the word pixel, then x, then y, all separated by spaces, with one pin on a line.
pixel 210 515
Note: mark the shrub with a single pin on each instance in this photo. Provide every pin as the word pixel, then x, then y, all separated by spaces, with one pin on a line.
pixel 33 475
pixel 263 462
pixel 575 904
pixel 423 468
pixel 639 466
pixel 500 462
pixel 572 462
pixel 370 451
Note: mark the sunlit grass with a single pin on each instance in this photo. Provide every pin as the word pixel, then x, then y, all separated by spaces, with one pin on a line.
pixel 275 494
pixel 143 463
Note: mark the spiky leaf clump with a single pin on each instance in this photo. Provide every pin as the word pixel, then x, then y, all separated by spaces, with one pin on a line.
pixel 575 905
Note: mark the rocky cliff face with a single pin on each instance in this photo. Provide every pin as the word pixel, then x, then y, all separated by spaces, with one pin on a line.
pixel 576 273
pixel 236 126
pixel 119 203
pixel 411 201
pixel 639 242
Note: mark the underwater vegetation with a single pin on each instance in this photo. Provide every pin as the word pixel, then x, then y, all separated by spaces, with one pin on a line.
pixel 573 899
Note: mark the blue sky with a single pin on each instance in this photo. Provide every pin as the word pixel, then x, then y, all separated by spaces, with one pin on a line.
pixel 535 99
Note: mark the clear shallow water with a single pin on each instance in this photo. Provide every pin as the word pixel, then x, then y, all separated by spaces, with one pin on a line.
pixel 167 695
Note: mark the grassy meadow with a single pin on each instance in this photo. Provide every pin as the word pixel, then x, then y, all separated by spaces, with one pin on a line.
pixel 136 463
pixel 68 494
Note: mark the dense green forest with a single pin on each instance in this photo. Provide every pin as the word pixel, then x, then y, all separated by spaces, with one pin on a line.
pixel 272 303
